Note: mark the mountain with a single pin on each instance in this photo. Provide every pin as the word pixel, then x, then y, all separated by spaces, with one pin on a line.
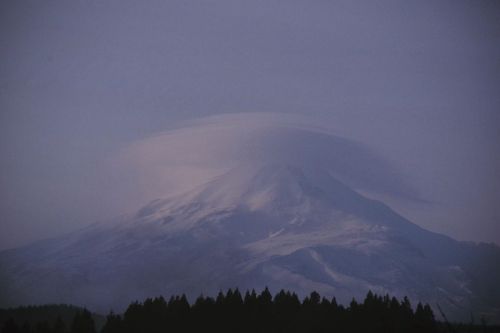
pixel 276 225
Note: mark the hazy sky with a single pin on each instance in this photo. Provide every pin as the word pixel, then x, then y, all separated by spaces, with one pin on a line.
pixel 81 80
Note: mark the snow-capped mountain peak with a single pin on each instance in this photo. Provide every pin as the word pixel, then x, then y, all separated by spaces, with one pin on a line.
pixel 282 221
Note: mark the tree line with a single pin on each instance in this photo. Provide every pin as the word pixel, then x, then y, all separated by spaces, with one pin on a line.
pixel 82 322
pixel 250 312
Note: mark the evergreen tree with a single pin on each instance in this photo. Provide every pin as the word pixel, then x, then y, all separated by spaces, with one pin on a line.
pixel 59 326
pixel 424 318
pixel 114 324
pixel 83 323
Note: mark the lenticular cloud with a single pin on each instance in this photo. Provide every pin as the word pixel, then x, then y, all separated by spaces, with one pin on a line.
pixel 184 157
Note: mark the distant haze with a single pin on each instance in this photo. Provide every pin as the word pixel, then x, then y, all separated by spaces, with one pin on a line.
pixel 89 88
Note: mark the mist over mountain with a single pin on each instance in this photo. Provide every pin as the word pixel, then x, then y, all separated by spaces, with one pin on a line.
pixel 251 201
pixel 192 154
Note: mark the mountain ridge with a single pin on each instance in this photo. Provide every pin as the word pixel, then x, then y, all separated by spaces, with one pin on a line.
pixel 277 225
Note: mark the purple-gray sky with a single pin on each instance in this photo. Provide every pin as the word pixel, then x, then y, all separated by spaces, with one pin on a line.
pixel 81 80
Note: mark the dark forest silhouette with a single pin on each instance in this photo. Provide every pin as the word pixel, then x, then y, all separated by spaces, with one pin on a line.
pixel 251 312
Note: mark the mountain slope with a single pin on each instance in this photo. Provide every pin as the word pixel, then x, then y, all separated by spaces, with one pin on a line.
pixel 282 225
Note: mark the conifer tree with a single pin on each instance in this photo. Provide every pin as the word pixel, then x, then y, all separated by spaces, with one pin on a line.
pixel 114 324
pixel 83 323
pixel 59 326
